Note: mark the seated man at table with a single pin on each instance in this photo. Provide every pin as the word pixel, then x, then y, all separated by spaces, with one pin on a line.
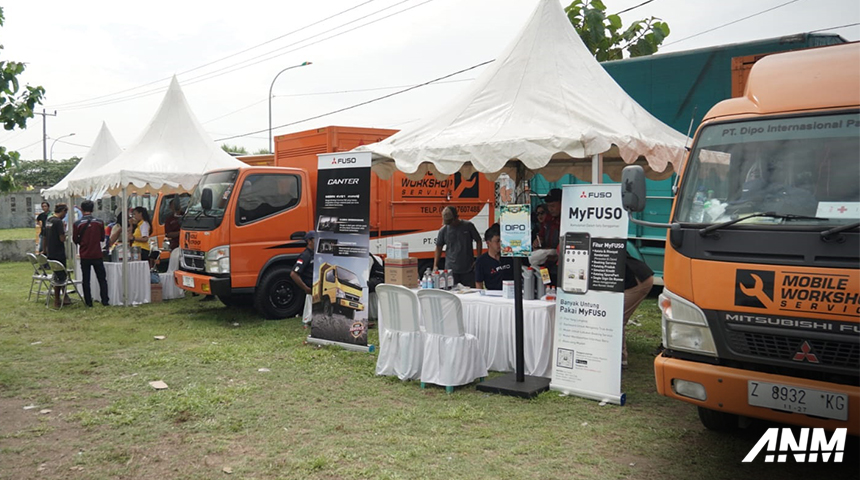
pixel 491 268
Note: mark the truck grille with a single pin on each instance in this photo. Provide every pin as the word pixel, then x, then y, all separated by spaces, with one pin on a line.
pixel 353 298
pixel 192 260
pixel 781 347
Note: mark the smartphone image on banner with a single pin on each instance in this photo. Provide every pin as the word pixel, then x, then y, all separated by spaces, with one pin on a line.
pixel 576 259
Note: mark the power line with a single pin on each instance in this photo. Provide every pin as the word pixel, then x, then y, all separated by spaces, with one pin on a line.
pixel 359 104
pixel 222 58
pixel 646 2
pixel 835 28
pixel 211 75
pixel 730 23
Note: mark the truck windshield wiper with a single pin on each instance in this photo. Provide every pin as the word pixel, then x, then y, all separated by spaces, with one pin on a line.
pixel 786 216
pixel 833 231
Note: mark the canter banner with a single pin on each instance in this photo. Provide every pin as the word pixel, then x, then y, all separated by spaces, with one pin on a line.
pixel 590 300
pixel 341 262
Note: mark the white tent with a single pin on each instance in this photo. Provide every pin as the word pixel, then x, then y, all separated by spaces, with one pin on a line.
pixel 171 154
pixel 544 98
pixel 103 150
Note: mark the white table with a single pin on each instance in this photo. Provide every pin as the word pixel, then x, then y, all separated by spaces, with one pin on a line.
pixel 491 320
pixel 138 282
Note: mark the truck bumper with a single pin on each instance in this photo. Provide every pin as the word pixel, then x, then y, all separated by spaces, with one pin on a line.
pixel 349 304
pixel 726 390
pixel 202 284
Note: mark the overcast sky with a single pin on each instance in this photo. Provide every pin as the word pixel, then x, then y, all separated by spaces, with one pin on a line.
pixel 112 60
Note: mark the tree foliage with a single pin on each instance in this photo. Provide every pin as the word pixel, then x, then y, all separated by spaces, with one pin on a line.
pixel 605 36
pixel 231 149
pixel 262 151
pixel 41 173
pixel 16 107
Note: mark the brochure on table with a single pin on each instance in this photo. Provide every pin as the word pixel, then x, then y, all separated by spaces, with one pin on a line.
pixel 590 299
pixel 341 264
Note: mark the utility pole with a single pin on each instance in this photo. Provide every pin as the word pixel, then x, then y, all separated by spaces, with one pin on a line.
pixel 45 132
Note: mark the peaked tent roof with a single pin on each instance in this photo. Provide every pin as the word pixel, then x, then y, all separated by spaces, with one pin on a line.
pixel 171 154
pixel 103 150
pixel 544 98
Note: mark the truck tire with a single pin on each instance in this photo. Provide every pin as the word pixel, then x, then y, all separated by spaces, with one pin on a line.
pixel 326 305
pixel 278 297
pixel 237 301
pixel 718 421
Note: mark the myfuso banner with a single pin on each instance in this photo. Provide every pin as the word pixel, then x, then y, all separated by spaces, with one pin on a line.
pixel 341 262
pixel 590 300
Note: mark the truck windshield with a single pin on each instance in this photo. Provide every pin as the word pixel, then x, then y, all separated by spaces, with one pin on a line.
pixel 804 165
pixel 221 184
pixel 347 277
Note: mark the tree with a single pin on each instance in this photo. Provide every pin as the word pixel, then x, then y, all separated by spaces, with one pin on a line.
pixel 16 107
pixel 234 149
pixel 605 37
pixel 262 151
pixel 39 173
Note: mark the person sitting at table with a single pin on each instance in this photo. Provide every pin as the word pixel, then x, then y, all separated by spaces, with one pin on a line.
pixel 491 268
pixel 88 234
pixel 141 230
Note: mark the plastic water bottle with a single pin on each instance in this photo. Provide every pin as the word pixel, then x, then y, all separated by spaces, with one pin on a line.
pixel 434 280
pixel 698 210
pixel 528 284
pixel 450 279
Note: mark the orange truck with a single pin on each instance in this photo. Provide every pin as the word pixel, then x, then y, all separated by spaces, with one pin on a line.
pixel 761 305
pixel 244 228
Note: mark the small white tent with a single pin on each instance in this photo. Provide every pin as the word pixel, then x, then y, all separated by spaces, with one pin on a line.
pixel 546 102
pixel 103 150
pixel 171 154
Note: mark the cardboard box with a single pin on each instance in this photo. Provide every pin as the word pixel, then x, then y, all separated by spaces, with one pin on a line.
pixel 402 271
pixel 155 293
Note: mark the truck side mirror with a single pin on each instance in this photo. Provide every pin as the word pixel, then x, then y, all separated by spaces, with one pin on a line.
pixel 633 188
pixel 206 199
pixel 297 235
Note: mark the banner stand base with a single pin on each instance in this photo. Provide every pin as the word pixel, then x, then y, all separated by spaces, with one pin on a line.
pixel 345 346
pixel 508 385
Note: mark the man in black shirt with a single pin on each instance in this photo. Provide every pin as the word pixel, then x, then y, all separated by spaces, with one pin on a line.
pixel 303 271
pixel 55 241
pixel 42 223
pixel 89 233
pixel 491 268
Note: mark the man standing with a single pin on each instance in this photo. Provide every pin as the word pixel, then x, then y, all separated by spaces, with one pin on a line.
pixel 55 242
pixel 172 224
pixel 550 231
pixel 89 233
pixel 491 268
pixel 458 235
pixel 42 223
pixel 303 273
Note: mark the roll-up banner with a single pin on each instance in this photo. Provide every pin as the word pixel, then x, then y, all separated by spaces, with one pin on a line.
pixel 590 299
pixel 341 262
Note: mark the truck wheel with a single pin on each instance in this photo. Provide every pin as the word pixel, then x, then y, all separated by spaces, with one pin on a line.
pixel 278 297
pixel 237 301
pixel 327 310
pixel 718 421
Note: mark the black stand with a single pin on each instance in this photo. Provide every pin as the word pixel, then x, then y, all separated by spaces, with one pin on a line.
pixel 517 384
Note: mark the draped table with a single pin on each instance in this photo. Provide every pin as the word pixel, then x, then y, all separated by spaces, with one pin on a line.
pixel 138 282
pixel 491 320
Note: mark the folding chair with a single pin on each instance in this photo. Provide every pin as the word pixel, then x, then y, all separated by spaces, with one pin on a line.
pixel 401 343
pixel 39 276
pixel 58 267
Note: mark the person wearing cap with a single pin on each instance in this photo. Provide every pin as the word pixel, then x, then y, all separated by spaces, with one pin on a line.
pixel 303 270
pixel 457 236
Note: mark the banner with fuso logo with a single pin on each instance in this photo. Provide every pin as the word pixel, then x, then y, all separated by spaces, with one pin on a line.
pixel 590 301
pixel 341 262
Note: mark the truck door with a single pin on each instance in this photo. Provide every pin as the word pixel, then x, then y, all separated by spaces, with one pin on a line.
pixel 268 212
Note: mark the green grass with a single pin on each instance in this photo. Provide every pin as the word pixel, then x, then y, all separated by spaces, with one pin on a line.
pixel 320 413
pixel 18 234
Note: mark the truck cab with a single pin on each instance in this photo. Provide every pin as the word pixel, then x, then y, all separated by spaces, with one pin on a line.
pixel 337 289
pixel 241 234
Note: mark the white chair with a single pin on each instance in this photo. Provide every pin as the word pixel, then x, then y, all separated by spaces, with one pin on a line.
pixel 401 343
pixel 57 267
pixel 169 290
pixel 452 357
pixel 39 276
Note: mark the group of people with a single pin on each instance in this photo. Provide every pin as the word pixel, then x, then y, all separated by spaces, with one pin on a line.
pixel 94 239
pixel 461 243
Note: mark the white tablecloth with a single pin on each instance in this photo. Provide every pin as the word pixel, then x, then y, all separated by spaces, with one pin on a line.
pixel 138 282
pixel 491 319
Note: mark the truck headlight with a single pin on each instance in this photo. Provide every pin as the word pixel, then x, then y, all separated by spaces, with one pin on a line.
pixel 685 326
pixel 217 260
pixel 338 293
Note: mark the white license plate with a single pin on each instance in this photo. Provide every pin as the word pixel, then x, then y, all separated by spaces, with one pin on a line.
pixel 187 281
pixel 788 398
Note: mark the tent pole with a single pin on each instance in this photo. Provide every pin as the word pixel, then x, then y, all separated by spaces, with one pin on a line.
pixel 125 247
pixel 597 169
